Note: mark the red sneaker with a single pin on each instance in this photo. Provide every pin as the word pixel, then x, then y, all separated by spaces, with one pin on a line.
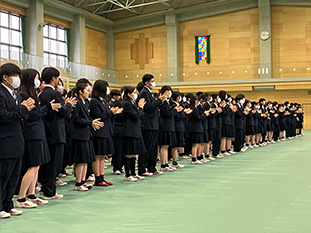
pixel 101 184
pixel 107 182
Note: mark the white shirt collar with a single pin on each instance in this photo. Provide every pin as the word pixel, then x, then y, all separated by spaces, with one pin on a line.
pixel 11 91
pixel 48 85
pixel 148 89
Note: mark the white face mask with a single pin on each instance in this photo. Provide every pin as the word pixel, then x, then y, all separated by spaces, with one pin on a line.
pixel 16 82
pixel 184 99
pixel 60 89
pixel 135 96
pixel 219 100
pixel 242 101
pixel 37 83
pixel 153 85
pixel 258 107
pixel 122 95
pixel 170 94
pixel 250 105
pixel 107 91
pixel 210 99
pixel 226 97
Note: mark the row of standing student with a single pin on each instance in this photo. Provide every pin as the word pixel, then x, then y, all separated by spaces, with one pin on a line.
pixel 97 129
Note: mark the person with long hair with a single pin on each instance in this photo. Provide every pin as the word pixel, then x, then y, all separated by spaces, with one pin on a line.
pixel 36 148
pixel 103 144
pixel 133 143
pixel 82 149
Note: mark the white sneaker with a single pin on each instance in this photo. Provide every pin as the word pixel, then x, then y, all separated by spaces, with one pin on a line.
pixel 158 173
pixel 243 149
pixel 204 160
pixel 148 174
pixel 139 177
pixel 25 204
pixel 211 159
pixel 38 201
pixel 117 172
pixel 81 188
pixel 56 196
pixel 131 179
pixel 273 142
pixel 179 166
pixel 219 156
pixel 251 146
pixel 91 178
pixel 4 214
pixel 256 146
pixel 169 169
pixel 15 212
pixel 227 154
pixel 196 162
pixel 60 183
pixel 232 152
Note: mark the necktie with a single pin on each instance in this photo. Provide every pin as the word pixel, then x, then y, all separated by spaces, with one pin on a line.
pixel 15 98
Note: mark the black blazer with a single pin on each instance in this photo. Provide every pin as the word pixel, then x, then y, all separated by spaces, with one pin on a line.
pixel 117 120
pixel 55 121
pixel 218 118
pixel 195 123
pixel 239 118
pixel 167 114
pixel 150 119
pixel 100 109
pixel 250 119
pixel 81 122
pixel 227 116
pixel 11 132
pixel 34 126
pixel 204 117
pixel 132 119
pixel 179 120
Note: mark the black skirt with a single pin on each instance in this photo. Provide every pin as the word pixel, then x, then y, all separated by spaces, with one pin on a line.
pixel 179 139
pixel 133 146
pixel 228 131
pixel 250 130
pixel 36 153
pixel 167 138
pixel 269 126
pixel 283 126
pixel 196 138
pixel 103 146
pixel 82 151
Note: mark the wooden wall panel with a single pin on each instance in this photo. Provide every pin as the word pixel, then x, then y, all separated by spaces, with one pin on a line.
pixel 129 72
pixel 234 47
pixel 291 41
pixel 95 48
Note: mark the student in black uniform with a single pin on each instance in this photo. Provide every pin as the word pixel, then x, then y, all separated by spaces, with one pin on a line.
pixel 239 123
pixel 167 127
pixel 54 123
pixel 188 145
pixel 263 121
pixel 250 124
pixel 217 139
pixel 36 148
pixel 275 120
pixel 204 146
pixel 256 115
pixel 300 117
pixel 12 111
pixel 133 143
pixel 269 122
pixel 178 146
pixel 103 144
pixel 195 129
pixel 150 127
pixel 117 127
pixel 283 125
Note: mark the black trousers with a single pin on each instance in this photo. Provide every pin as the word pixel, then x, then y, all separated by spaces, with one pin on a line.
pixel 276 132
pixel 9 174
pixel 149 160
pixel 52 169
pixel 117 156
pixel 239 140
pixel 216 143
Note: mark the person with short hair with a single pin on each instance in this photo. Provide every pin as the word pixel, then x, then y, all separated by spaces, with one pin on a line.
pixel 12 111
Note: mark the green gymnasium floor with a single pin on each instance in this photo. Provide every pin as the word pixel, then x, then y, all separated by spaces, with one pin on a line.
pixel 265 190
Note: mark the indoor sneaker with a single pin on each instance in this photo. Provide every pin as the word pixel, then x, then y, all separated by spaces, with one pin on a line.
pixel 131 179
pixel 117 172
pixel 60 183
pixel 88 186
pixel 158 173
pixel 196 162
pixel 56 196
pixel 81 188
pixel 25 204
pixel 139 177
pixel 178 166
pixel 166 169
pixel 4 214
pixel 38 201
pixel 101 184
pixel 148 174
pixel 91 178
pixel 15 212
